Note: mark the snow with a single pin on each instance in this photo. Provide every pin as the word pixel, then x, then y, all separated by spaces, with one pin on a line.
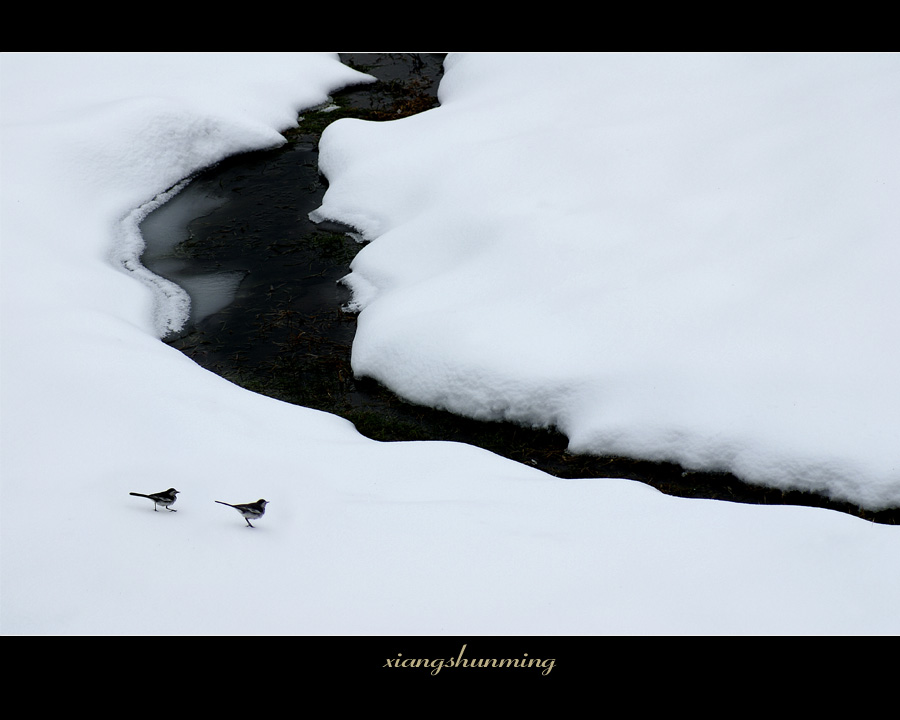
pixel 689 258
pixel 683 256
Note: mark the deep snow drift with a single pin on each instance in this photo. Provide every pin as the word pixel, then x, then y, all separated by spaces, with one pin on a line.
pixel 437 538
pixel 689 257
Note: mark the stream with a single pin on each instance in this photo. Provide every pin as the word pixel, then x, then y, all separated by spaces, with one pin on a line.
pixel 266 301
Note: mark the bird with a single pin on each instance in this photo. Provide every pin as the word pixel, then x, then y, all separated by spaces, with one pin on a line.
pixel 164 498
pixel 249 510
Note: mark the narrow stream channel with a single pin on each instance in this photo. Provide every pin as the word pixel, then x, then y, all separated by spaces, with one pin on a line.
pixel 266 299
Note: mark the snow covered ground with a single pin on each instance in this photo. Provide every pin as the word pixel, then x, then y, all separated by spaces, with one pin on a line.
pixel 687 258
pixel 682 257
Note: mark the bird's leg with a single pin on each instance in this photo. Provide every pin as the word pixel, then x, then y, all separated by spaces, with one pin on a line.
pixel 248 523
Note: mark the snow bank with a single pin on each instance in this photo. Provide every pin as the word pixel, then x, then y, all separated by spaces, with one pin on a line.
pixel 675 257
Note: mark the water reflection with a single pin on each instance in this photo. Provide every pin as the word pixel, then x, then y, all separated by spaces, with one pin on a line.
pixel 165 229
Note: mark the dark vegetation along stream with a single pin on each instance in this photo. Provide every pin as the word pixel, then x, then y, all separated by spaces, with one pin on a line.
pixel 266 301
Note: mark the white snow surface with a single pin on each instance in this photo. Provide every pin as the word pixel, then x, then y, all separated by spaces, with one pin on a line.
pixel 676 256
pixel 690 258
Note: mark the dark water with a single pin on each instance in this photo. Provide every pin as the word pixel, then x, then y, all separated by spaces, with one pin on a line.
pixel 266 297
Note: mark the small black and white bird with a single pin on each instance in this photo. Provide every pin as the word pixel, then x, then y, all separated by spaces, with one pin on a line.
pixel 164 498
pixel 249 510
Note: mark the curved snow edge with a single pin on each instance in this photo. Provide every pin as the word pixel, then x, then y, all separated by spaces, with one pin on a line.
pixel 172 304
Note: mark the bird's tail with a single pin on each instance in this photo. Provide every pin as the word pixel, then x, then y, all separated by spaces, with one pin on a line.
pixel 224 503
pixel 140 495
